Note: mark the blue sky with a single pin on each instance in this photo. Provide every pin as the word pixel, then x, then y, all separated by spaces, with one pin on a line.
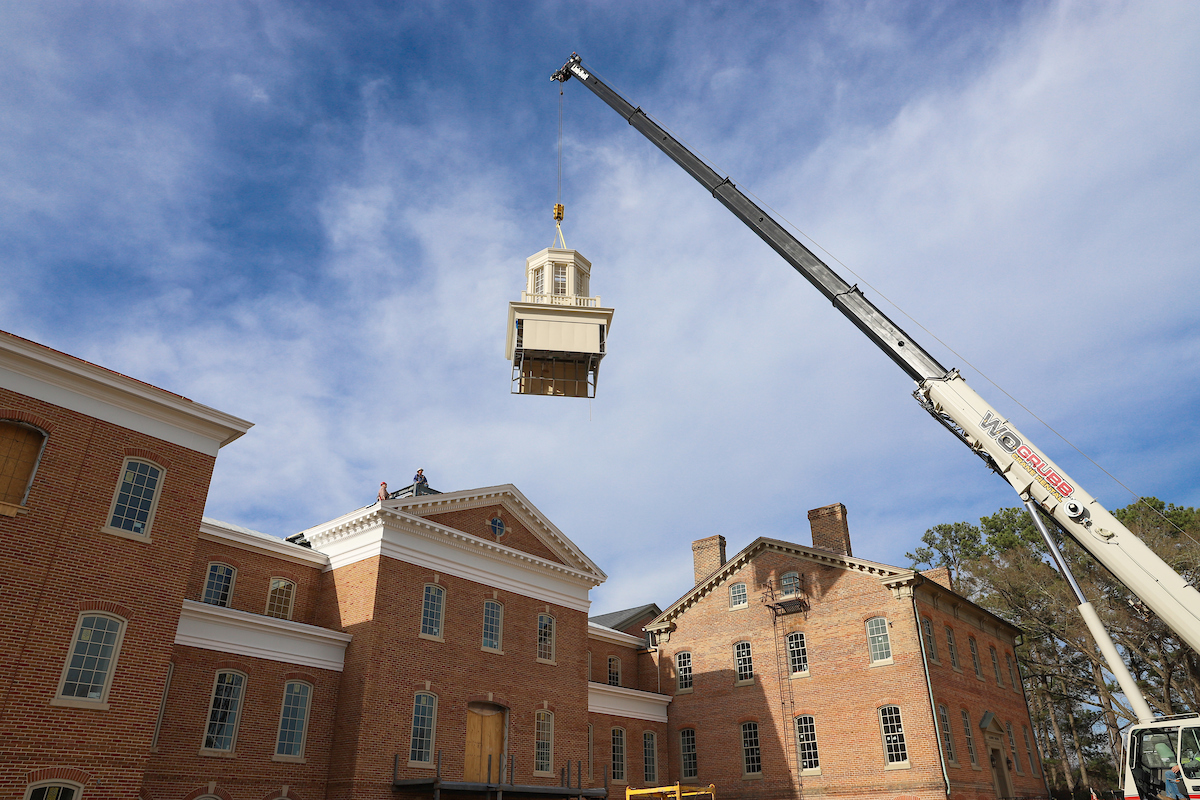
pixel 313 215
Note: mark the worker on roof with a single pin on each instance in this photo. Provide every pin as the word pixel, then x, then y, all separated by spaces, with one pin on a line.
pixel 383 492
pixel 419 479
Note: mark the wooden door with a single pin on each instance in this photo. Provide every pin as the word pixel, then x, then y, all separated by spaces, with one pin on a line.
pixel 485 737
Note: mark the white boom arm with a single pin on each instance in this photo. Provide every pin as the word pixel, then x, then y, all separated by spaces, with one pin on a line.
pixel 944 393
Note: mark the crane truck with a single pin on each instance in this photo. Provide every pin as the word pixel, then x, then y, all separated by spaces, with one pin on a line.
pixel 1152 745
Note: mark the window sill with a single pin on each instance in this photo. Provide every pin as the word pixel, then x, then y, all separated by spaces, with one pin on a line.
pixel 124 534
pixel 883 662
pixel 537 774
pixel 742 607
pixel 553 664
pixel 899 765
pixel 813 771
pixel 431 637
pixel 957 669
pixel 423 765
pixel 207 753
pixel 797 675
pixel 12 510
pixel 492 650
pixel 80 702
pixel 688 690
pixel 977 768
pixel 747 682
pixel 752 776
pixel 289 759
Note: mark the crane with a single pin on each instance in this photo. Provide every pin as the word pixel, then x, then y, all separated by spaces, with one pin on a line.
pixel 1044 487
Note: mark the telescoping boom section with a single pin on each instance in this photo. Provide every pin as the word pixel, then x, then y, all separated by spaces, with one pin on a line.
pixel 945 394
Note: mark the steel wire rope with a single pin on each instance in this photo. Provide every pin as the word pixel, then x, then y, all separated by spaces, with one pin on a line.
pixel 1139 500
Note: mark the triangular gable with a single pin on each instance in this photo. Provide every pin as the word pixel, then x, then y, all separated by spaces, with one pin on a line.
pixel 761 544
pixel 473 508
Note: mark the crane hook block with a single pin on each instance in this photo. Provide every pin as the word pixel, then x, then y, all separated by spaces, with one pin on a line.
pixel 558 212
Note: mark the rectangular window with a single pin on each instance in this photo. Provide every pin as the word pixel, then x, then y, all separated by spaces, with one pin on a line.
pixel 996 666
pixel 431 610
pixel 614 671
pixel 650 757
pixel 223 713
pixel 737 595
pixel 20 450
pixel 493 625
pixel 745 665
pixel 790 584
pixel 543 742
pixel 560 278
pixel 930 641
pixel 683 670
pixel 279 598
pixel 218 587
pixel 423 726
pixel 947 738
pixel 618 754
pixel 89 670
pixel 581 283
pixel 133 503
pixel 951 648
pixel 1012 676
pixel 797 653
pixel 975 657
pixel 751 753
pixel 877 639
pixel 293 721
pixel 970 738
pixel 539 281
pixel 806 742
pixel 1012 747
pixel 893 735
pixel 545 646
pixel 1029 751
pixel 688 768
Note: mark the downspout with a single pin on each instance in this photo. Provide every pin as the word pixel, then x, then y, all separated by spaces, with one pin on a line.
pixel 929 688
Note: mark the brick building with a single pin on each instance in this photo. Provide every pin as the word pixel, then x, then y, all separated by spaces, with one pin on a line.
pixel 441 640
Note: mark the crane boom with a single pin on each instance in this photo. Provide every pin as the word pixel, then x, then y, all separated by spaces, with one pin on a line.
pixel 945 394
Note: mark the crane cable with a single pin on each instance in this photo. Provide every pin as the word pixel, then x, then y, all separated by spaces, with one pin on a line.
pixel 1139 500
pixel 558 205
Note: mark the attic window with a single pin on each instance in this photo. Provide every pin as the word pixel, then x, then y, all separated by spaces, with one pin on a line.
pixel 497 526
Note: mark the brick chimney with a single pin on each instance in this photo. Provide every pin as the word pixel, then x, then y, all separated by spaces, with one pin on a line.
pixel 708 555
pixel 829 529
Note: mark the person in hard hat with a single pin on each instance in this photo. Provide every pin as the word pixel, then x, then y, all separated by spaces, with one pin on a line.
pixel 383 492
pixel 419 479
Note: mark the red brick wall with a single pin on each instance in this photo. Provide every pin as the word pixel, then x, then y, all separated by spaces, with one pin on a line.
pixel 635 762
pixel 387 663
pixel 253 581
pixel 602 650
pixel 60 562
pixel 177 768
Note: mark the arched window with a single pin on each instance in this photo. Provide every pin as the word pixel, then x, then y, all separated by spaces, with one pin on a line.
pixel 797 653
pixel 806 742
pixel 218 585
pixel 951 648
pixel 737 596
pixel 618 754
pixel 751 752
pixel 996 666
pixel 1029 751
pixel 545 643
pixel 432 609
pixel 930 641
pixel 744 662
pixel 947 737
pixel 1012 747
pixel 543 743
pixel 683 671
pixel 424 726
pixel 688 766
pixel 966 719
pixel 877 639
pixel 92 662
pixel 54 790
pixel 224 711
pixel 280 597
pixel 20 451
pixel 892 728
pixel 1012 676
pixel 650 757
pixel 975 657
pixel 789 584
pixel 293 720
pixel 614 671
pixel 136 498
pixel 493 626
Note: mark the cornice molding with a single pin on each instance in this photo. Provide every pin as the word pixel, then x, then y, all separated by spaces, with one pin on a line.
pixel 216 531
pixel 607 634
pixel 72 383
pixel 228 630
pixel 618 701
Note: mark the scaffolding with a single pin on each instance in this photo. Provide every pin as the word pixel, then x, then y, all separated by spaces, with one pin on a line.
pixel 433 787
pixel 676 791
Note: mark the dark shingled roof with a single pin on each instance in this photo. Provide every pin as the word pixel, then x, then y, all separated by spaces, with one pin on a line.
pixel 618 620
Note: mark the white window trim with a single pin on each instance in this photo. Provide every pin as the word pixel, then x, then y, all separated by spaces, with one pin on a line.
pixel 237 725
pixel 608 675
pixel 943 721
pixel 432 762
pixel 291 597
pixel 695 755
pixel 500 629
pixel 738 681
pixel 887 765
pixel 440 636
pixel 232 583
pixel 299 759
pixel 745 603
pixel 82 702
pixel 624 779
pixel 63 782
pixel 796 733
pixel 549 715
pixel 887 632
pixel 650 779
pixel 783 584
pixel 976 661
pixel 124 534
pixel 751 776
pixel 691 673
pixel 553 659
pixel 804 673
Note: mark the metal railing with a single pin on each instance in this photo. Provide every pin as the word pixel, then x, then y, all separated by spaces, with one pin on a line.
pixel 560 300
